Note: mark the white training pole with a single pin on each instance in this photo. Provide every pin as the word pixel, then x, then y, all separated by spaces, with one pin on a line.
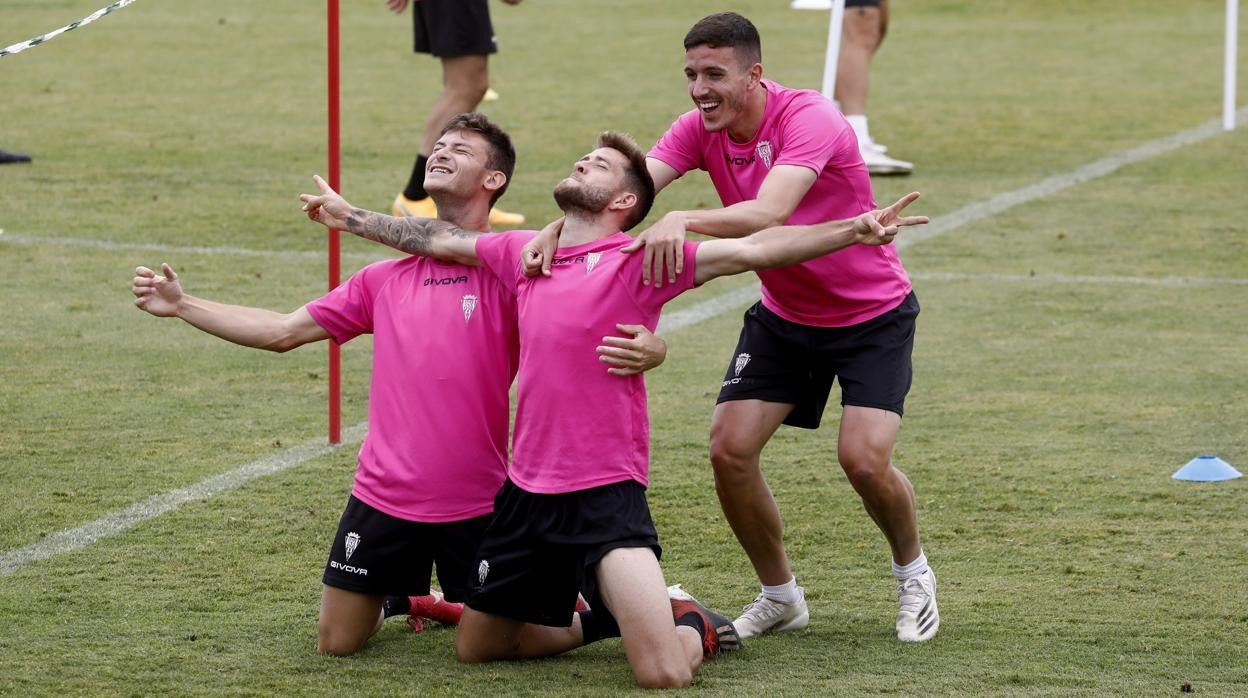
pixel 1228 84
pixel 834 48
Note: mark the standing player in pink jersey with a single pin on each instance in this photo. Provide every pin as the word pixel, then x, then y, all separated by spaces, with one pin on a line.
pixel 574 502
pixel 783 156
pixel 445 351
pixel 778 155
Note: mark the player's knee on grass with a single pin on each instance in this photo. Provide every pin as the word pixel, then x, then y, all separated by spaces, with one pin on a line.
pixel 668 676
pixel 654 667
pixel 347 619
pixel 480 638
pixel 337 641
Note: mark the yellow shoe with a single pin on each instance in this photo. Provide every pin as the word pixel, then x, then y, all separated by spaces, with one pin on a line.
pixel 490 95
pixel 420 208
pixel 425 208
pixel 504 219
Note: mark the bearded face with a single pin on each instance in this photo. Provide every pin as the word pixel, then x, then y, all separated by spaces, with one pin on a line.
pixel 573 195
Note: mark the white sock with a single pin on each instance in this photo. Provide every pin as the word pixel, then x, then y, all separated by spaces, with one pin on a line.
pixel 789 592
pixel 859 122
pixel 913 569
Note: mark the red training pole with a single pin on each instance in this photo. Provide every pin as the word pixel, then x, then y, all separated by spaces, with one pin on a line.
pixel 335 359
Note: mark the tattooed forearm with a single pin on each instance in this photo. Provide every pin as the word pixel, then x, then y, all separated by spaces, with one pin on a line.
pixel 410 235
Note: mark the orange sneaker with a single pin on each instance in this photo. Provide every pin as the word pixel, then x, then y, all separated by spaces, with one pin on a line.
pixel 419 208
pixel 425 208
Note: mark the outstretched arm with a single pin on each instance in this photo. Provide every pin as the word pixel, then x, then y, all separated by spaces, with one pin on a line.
pixel 791 244
pixel 427 237
pixel 162 296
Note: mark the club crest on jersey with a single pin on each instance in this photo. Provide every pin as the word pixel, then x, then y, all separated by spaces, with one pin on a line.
pixel 469 304
pixel 591 261
pixel 742 360
pixel 764 152
pixel 352 542
pixel 483 571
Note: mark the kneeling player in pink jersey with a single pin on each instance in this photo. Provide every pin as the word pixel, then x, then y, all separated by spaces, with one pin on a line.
pixel 573 512
pixel 445 351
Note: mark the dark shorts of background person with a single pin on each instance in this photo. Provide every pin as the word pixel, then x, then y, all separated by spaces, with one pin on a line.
pixel 375 553
pixel 781 361
pixel 540 551
pixel 450 28
pixel 861 3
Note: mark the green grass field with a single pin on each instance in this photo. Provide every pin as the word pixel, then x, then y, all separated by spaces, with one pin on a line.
pixel 1073 351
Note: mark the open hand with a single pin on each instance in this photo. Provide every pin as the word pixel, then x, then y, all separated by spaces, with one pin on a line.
pixel 158 295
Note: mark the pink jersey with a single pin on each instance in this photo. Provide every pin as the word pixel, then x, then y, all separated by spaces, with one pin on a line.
pixel 577 426
pixel 802 128
pixel 445 350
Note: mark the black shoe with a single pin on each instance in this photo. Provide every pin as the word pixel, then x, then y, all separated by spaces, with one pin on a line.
pixel 7 156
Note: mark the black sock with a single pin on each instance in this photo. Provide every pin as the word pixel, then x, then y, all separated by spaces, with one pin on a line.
pixel 693 620
pixel 598 627
pixel 395 606
pixel 416 185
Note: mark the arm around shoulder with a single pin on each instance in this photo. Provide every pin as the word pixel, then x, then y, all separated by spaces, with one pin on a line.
pixel 777 199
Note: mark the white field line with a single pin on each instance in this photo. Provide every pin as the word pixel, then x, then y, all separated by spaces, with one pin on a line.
pixel 176 249
pixel 156 505
pixel 117 521
pixel 1056 183
pixel 1083 279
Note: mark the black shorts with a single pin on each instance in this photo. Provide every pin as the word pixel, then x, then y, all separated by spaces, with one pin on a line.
pixel 450 28
pixel 540 550
pixel 781 361
pixel 861 3
pixel 375 553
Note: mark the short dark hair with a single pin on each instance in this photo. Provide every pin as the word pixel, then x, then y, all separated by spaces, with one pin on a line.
pixel 637 177
pixel 501 156
pixel 727 29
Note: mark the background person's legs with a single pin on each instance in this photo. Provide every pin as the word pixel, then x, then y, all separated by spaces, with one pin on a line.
pixel 461 35
pixel 464 82
pixel 862 32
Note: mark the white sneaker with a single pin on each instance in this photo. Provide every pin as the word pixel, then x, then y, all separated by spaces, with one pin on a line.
pixel 767 615
pixel 880 164
pixel 918 619
pixel 874 145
